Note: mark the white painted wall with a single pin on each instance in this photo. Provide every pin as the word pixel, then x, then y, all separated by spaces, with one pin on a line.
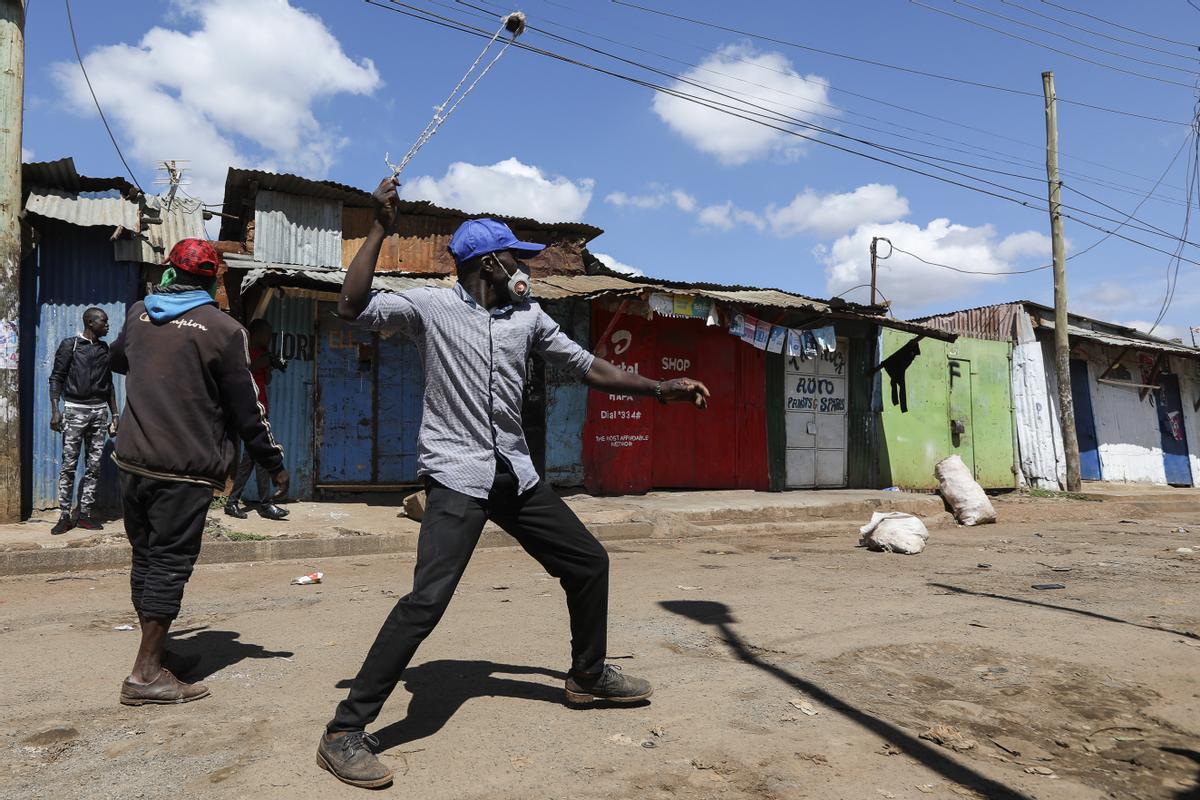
pixel 1189 390
pixel 1126 425
pixel 1033 415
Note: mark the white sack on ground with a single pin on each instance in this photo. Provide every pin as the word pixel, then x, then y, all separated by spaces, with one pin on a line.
pixel 894 532
pixel 960 490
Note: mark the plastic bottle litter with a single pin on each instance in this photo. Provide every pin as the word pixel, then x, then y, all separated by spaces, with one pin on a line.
pixel 305 580
pixel 122 627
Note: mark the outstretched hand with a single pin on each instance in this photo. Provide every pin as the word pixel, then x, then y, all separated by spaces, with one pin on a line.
pixel 681 390
pixel 386 199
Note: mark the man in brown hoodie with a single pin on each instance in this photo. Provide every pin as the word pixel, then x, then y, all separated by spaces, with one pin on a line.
pixel 188 393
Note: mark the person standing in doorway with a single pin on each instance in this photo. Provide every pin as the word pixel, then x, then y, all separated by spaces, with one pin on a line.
pixel 81 378
pixel 474 341
pixel 262 362
pixel 189 394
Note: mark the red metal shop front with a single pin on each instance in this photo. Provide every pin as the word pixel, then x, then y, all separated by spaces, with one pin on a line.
pixel 634 444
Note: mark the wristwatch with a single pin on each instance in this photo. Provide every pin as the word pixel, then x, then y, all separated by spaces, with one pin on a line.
pixel 658 393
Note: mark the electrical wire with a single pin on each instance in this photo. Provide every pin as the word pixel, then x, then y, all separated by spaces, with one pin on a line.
pixel 1072 40
pixel 974 150
pixel 408 10
pixel 1070 10
pixel 923 158
pixel 972 271
pixel 1049 47
pixel 885 65
pixel 1100 34
pixel 96 100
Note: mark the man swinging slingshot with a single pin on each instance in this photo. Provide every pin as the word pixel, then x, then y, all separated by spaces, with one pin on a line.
pixel 474 341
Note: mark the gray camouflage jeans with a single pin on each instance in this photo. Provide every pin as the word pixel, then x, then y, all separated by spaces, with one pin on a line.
pixel 84 429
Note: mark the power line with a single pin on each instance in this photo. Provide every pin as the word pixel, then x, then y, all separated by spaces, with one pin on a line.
pixel 1119 25
pixel 442 21
pixel 775 116
pixel 1049 32
pixel 974 150
pixel 1051 48
pixel 896 67
pixel 1100 34
pixel 96 100
pixel 972 271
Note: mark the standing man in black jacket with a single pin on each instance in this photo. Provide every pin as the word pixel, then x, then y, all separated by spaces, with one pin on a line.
pixel 189 392
pixel 81 378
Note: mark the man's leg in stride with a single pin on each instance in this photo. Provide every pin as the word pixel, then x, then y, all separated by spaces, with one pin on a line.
pixel 165 524
pixel 450 530
pixel 550 532
pixel 241 477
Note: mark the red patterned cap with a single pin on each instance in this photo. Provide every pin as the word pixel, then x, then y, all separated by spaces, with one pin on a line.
pixel 195 256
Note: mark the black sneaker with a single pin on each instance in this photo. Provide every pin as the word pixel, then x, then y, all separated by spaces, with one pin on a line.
pixel 350 758
pixel 89 524
pixel 610 686
pixel 234 509
pixel 64 524
pixel 272 511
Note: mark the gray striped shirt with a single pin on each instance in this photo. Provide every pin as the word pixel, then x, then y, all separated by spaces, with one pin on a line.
pixel 475 363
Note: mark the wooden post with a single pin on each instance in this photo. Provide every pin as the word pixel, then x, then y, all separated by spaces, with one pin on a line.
pixel 1062 346
pixel 12 91
pixel 874 265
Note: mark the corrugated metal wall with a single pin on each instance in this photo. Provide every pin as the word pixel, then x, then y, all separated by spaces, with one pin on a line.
pixel 1038 442
pixel 75 271
pixel 293 229
pixel 566 401
pixel 291 392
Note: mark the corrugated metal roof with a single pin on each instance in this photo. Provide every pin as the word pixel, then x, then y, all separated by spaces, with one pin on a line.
pixel 104 209
pixel 295 229
pixel 240 185
pixel 1135 342
pixel 61 174
pixel 323 279
pixel 993 322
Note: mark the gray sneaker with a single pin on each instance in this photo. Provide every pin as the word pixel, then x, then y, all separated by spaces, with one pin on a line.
pixel 350 758
pixel 610 686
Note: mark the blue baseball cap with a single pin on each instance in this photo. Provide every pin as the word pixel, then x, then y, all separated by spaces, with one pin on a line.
pixel 477 237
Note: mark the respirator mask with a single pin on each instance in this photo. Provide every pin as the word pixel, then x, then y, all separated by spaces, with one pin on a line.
pixel 519 287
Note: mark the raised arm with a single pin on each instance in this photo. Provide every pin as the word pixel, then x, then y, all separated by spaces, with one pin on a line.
pixel 356 288
pixel 605 377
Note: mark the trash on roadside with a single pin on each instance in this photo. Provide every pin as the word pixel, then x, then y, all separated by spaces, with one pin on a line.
pixel 1185 551
pixel 1128 521
pixel 649 745
pixel 948 736
pixel 1180 530
pixel 962 493
pixel 122 627
pixel 681 587
pixel 305 580
pixel 1044 586
pixel 894 532
pixel 1189 642
pixel 982 565
pixel 499 587
pixel 892 489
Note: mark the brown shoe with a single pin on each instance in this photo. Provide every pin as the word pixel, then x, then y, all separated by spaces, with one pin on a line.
pixel 166 689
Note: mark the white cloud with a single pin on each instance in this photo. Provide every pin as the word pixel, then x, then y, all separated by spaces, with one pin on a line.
pixel 834 214
pixel 772 82
pixel 1108 294
pixel 26 154
pixel 617 266
pixel 675 197
pixel 239 89
pixel 907 282
pixel 508 187
pixel 726 216
pixel 1031 244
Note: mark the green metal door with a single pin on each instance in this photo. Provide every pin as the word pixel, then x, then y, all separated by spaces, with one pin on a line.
pixel 961 434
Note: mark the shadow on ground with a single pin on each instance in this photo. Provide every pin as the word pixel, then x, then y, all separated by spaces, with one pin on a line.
pixel 208 652
pixel 719 616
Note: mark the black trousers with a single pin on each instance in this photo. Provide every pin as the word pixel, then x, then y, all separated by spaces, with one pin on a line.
pixel 164 521
pixel 548 530
pixel 240 478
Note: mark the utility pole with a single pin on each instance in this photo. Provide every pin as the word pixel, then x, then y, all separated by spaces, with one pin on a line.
pixel 12 95
pixel 1062 345
pixel 875 240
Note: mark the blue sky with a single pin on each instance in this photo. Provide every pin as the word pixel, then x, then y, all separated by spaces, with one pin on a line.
pixel 325 87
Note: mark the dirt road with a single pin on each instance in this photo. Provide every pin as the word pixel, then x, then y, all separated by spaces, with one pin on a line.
pixel 785 667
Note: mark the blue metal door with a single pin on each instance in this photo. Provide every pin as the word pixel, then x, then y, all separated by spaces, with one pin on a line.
pixel 1174 437
pixel 1085 422
pixel 401 385
pixel 346 411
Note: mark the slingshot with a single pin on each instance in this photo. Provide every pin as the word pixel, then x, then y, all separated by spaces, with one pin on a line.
pixel 514 24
